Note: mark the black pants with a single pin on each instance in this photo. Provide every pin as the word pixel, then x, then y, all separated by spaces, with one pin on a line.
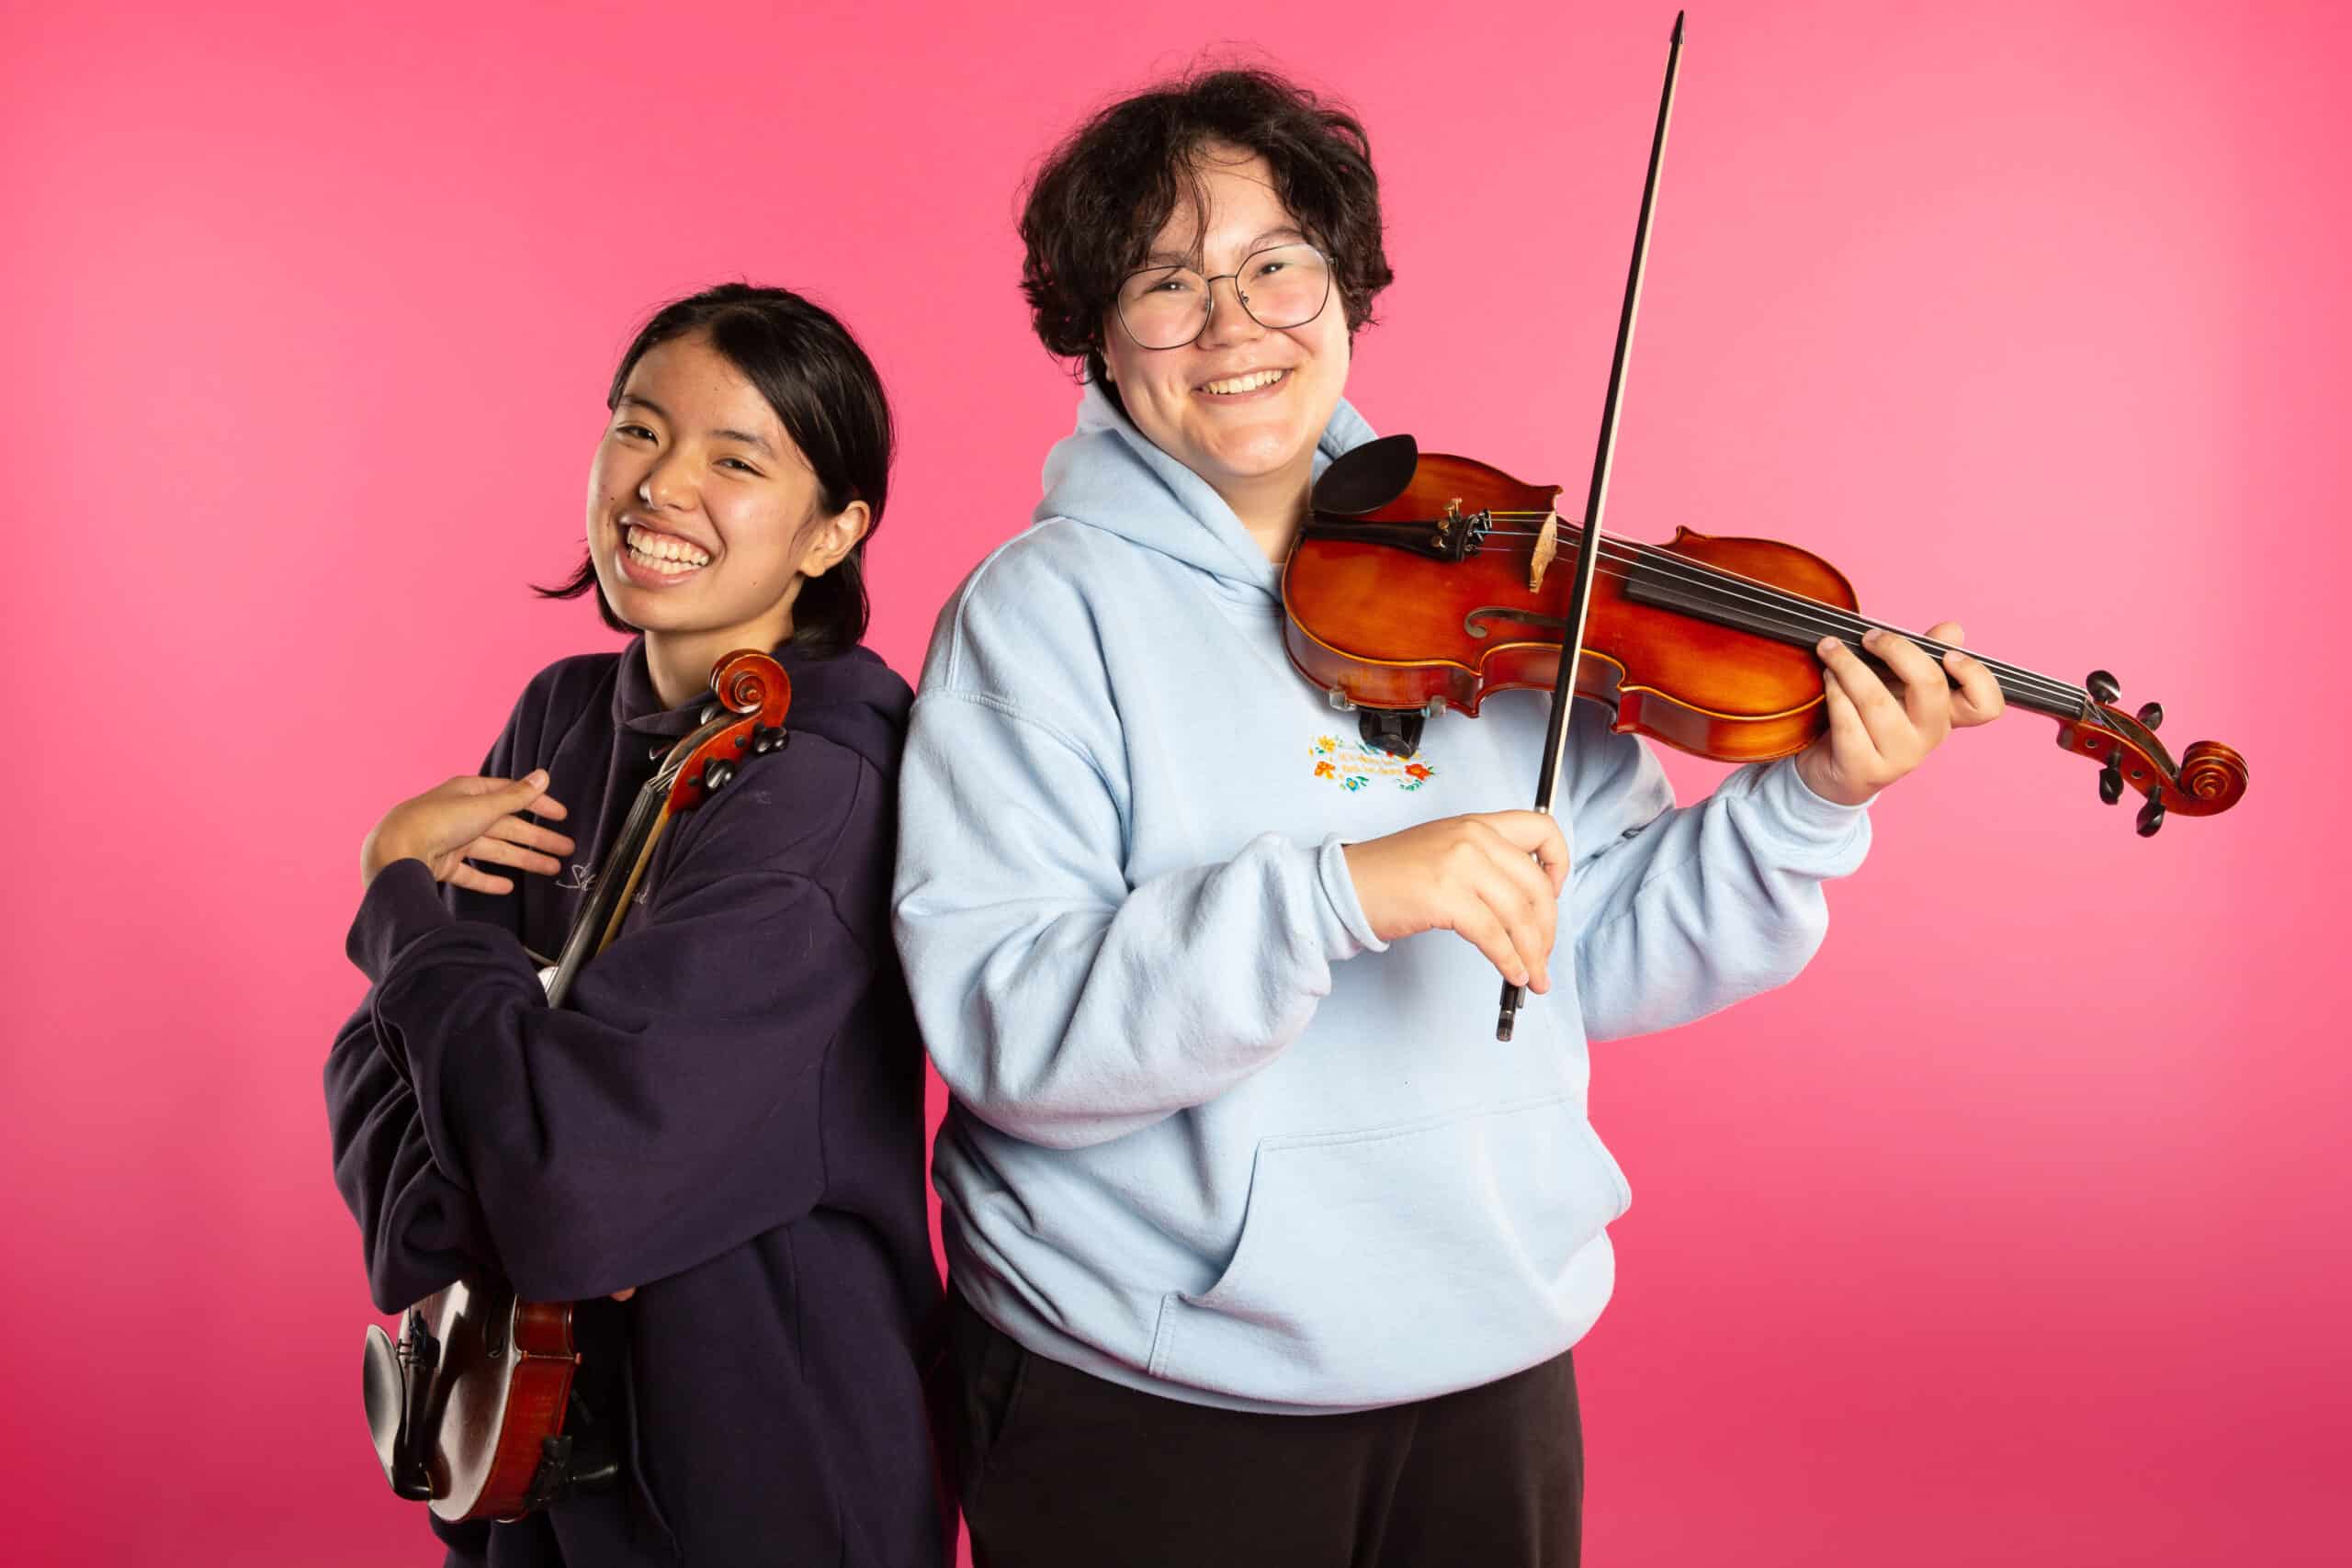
pixel 1059 1468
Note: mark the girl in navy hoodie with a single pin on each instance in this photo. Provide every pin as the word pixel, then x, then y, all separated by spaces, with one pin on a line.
pixel 716 1145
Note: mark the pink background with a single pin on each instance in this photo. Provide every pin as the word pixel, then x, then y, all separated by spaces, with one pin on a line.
pixel 2014 1231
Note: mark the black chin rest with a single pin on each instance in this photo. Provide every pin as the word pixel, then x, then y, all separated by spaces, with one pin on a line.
pixel 1367 478
pixel 384 1386
pixel 380 1377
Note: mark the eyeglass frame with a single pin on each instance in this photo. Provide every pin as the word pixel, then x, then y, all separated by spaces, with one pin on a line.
pixel 1208 292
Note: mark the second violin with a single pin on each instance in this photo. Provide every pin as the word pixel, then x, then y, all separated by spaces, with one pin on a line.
pixel 1423 581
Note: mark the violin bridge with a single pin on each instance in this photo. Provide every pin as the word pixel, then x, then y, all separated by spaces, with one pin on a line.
pixel 1547 546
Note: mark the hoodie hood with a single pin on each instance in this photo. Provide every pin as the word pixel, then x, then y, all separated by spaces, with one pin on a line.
pixel 1108 475
pixel 852 699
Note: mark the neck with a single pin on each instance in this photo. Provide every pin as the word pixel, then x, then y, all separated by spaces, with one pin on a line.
pixel 1271 507
pixel 680 662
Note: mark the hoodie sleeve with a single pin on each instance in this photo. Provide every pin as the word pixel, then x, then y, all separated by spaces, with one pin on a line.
pixel 662 1116
pixel 1062 1004
pixel 1681 910
pixel 419 1230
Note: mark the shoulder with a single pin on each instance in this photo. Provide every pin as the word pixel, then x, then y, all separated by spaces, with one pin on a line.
pixel 550 708
pixel 816 816
pixel 809 809
pixel 569 687
pixel 1037 602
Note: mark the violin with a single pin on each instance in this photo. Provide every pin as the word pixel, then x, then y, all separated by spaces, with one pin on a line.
pixel 1423 582
pixel 1420 583
pixel 468 1409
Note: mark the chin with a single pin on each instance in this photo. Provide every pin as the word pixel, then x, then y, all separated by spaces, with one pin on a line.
pixel 641 610
pixel 1258 460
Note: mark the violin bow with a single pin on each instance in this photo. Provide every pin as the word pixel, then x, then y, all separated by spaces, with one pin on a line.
pixel 1556 735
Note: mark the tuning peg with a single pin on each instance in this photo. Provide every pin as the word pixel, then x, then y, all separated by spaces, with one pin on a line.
pixel 2152 715
pixel 2152 816
pixel 716 774
pixel 2110 783
pixel 2101 687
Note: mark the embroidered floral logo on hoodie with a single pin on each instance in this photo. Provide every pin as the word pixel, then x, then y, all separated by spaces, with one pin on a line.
pixel 1355 766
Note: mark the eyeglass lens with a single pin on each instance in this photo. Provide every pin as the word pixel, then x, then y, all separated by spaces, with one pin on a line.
pixel 1285 285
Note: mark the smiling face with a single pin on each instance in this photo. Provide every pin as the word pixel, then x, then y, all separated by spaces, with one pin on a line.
pixel 703 517
pixel 1243 406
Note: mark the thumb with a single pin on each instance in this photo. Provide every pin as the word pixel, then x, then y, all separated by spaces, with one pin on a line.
pixel 527 788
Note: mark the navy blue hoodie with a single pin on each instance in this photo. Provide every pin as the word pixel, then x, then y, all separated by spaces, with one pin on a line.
pixel 727 1115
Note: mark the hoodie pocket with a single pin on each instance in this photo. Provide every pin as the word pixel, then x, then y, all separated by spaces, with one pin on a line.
pixel 1404 1262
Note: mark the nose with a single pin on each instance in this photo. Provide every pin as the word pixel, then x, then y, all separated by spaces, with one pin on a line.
pixel 1228 323
pixel 667 485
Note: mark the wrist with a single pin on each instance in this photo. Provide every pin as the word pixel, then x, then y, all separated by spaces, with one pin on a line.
pixel 382 850
pixel 1815 773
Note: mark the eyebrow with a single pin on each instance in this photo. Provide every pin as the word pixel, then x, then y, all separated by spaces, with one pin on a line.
pixel 1287 233
pixel 748 437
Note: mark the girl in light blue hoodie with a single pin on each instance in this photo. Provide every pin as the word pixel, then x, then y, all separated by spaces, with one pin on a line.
pixel 1263 1247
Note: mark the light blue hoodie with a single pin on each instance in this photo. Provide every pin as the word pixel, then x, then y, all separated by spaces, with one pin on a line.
pixel 1211 1137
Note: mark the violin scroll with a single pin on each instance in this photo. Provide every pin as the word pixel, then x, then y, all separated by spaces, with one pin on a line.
pixel 754 688
pixel 2209 778
pixel 2212 772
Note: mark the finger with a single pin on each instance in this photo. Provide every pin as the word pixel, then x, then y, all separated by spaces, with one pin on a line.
pixel 1979 699
pixel 623 1295
pixel 1526 931
pixel 1884 723
pixel 1531 889
pixel 1472 920
pixel 478 881
pixel 527 789
pixel 477 783
pixel 503 853
pixel 1534 833
pixel 536 802
pixel 531 786
pixel 1850 742
pixel 515 830
pixel 1927 695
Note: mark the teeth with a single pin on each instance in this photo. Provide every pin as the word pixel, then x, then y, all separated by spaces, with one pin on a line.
pixel 665 554
pixel 1249 383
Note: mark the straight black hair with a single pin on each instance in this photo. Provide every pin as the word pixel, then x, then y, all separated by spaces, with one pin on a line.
pixel 826 392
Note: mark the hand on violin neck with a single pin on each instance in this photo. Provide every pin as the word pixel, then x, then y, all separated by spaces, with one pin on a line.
pixel 1470 875
pixel 470 819
pixel 1876 737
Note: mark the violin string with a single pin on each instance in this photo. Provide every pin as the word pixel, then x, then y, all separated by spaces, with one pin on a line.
pixel 1800 614
pixel 2020 683
pixel 1813 615
pixel 1804 613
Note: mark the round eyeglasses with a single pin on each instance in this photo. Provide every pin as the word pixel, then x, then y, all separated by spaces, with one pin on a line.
pixel 1279 286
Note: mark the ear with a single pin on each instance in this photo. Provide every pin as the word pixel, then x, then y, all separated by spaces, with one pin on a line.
pixel 830 539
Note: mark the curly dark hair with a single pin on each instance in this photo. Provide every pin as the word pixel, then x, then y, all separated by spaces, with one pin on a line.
pixel 829 400
pixel 1103 195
